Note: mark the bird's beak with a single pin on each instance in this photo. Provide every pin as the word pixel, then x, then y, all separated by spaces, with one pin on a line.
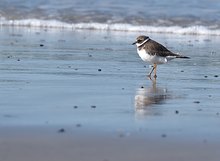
pixel 134 43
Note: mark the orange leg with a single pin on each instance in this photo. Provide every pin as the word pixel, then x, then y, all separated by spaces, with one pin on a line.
pixel 153 69
pixel 149 75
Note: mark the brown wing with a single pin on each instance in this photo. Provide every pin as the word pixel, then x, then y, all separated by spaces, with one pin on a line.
pixel 154 48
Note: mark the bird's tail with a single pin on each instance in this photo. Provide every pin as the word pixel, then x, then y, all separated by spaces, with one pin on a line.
pixel 184 57
pixel 181 56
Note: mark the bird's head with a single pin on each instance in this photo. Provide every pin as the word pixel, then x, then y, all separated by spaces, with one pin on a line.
pixel 140 40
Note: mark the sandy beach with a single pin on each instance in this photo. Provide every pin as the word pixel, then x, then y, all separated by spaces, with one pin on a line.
pixel 83 95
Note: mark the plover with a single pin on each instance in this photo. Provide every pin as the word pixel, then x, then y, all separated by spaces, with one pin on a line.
pixel 153 52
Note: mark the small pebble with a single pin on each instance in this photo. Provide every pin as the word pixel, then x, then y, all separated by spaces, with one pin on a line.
pixel 61 130
pixel 123 88
pixel 177 112
pixel 18 59
pixel 93 106
pixel 196 102
pixel 206 76
pixel 182 71
pixel 163 135
pixel 78 125
pixel 121 135
pixel 75 107
pixel 215 76
pixel 41 45
pixel 99 70
pixel 142 86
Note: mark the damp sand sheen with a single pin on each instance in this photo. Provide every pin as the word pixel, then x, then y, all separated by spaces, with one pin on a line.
pixel 77 90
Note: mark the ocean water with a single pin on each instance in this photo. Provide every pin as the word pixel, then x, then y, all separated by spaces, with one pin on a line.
pixel 173 16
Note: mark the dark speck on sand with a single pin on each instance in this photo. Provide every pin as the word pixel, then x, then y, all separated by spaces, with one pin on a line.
pixel 75 107
pixel 93 106
pixel 78 125
pixel 62 130
pixel 163 135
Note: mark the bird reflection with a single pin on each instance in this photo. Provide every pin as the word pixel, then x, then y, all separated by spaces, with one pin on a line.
pixel 146 97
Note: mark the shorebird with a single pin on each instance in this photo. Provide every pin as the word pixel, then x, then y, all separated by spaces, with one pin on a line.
pixel 153 52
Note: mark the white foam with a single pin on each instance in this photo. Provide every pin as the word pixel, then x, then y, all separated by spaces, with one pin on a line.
pixel 197 30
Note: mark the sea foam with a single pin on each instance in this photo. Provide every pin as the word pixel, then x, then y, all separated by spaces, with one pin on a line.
pixel 196 30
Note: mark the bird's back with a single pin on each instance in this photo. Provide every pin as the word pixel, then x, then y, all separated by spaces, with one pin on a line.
pixel 154 48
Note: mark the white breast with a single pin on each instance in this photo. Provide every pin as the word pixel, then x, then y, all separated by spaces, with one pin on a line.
pixel 152 59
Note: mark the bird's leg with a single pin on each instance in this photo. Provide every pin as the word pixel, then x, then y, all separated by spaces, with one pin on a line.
pixel 149 75
pixel 155 71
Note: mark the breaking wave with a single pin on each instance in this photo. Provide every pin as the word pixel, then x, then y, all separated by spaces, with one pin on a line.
pixel 195 30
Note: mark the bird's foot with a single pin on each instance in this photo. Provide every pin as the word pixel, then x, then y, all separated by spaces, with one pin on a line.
pixel 149 76
pixel 152 79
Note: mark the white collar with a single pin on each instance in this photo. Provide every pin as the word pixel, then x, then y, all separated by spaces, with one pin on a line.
pixel 138 45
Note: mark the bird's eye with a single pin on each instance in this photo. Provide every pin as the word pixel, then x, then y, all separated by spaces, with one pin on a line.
pixel 139 41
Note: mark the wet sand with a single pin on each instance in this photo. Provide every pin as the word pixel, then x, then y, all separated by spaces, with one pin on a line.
pixel 76 144
pixel 84 95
